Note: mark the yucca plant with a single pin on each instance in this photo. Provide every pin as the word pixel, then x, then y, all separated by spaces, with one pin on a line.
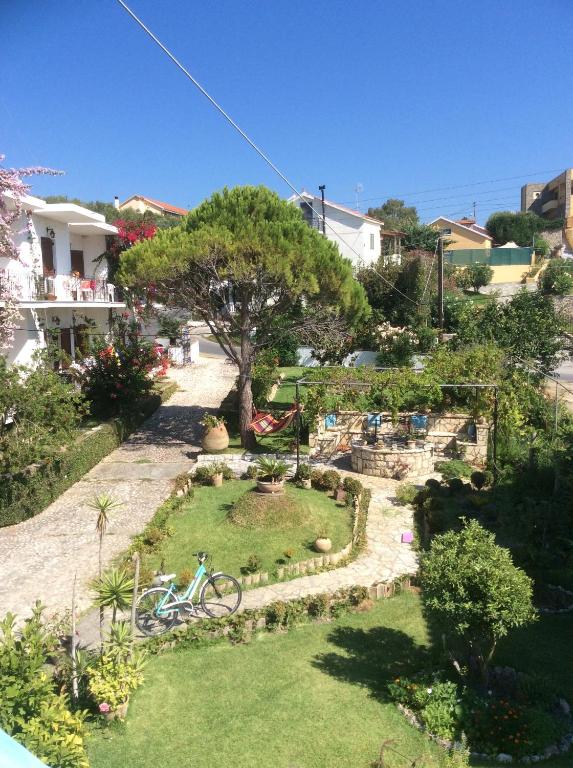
pixel 273 469
pixel 113 590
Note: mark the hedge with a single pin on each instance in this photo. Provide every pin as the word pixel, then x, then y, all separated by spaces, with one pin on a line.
pixel 28 492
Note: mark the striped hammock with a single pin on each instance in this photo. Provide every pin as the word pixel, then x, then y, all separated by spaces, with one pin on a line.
pixel 267 424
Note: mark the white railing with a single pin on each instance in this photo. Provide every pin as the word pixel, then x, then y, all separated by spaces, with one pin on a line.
pixel 33 287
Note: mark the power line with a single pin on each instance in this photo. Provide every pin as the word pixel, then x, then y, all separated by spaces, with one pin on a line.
pixel 231 122
pixel 454 186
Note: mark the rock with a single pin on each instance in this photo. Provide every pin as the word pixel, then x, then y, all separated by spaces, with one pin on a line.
pixel 504 758
pixel 550 751
pixel 525 760
pixel 564 707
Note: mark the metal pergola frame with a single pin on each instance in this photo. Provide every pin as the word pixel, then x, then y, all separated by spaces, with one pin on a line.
pixel 472 385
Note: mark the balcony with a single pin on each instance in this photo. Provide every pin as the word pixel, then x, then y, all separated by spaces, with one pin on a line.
pixel 61 289
pixel 550 205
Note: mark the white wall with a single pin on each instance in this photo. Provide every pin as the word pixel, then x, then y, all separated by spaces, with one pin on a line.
pixel 350 233
pixel 92 246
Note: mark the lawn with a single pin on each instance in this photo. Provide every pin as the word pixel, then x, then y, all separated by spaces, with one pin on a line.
pixel 312 698
pixel 203 524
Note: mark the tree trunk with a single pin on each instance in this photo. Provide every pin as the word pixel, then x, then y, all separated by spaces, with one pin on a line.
pixel 248 439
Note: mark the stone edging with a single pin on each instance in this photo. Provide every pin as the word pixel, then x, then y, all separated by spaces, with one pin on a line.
pixel 553 611
pixel 551 751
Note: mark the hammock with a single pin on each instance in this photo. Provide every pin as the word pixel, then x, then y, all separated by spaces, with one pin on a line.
pixel 267 424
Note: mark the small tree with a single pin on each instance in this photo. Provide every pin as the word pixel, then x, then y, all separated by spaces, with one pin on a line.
pixel 472 588
pixel 478 275
pixel 103 505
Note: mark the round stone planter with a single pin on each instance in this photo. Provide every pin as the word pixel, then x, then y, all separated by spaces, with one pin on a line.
pixel 269 487
pixel 216 439
pixel 217 480
pixel 323 545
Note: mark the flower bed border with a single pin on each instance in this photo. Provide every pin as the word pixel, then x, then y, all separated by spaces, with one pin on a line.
pixel 28 492
pixel 552 750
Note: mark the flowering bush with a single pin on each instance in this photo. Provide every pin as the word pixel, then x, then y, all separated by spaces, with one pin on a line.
pixel 112 679
pixel 492 723
pixel 119 374
pixel 396 344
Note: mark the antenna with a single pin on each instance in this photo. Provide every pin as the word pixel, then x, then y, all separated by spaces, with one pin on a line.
pixel 474 205
pixel 357 190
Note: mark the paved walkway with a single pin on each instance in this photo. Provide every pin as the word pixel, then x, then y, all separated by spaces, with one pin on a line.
pixel 39 557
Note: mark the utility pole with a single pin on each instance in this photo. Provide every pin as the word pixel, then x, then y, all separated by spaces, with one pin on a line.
pixel 322 187
pixel 474 205
pixel 441 283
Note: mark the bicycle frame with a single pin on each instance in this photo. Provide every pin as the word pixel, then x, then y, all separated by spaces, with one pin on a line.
pixel 187 597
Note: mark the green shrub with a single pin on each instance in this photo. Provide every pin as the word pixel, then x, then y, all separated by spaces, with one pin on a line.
pixel 406 493
pixel 331 480
pixel 113 678
pixel 254 564
pixel 264 374
pixel 275 614
pixel 303 472
pixel 453 468
pixel 478 502
pixel 272 470
pixel 26 494
pixel 31 708
pixel 455 484
pixel 252 472
pixel 318 605
pixel 316 478
pixel 352 486
pixel 478 479
pixel 433 485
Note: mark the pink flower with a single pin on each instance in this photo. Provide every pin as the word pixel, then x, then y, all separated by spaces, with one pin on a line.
pixel 104 707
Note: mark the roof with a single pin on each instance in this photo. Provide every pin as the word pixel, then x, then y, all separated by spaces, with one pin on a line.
pixel 167 207
pixel 336 206
pixel 475 228
pixel 392 233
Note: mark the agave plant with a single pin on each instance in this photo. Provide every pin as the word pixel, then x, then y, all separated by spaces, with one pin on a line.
pixel 113 590
pixel 273 469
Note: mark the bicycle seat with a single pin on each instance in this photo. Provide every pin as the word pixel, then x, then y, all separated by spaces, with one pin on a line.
pixel 167 577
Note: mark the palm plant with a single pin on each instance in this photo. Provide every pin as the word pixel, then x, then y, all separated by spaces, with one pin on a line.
pixel 273 469
pixel 113 590
pixel 103 505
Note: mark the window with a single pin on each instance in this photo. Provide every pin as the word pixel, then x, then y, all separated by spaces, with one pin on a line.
pixel 446 231
pixel 371 242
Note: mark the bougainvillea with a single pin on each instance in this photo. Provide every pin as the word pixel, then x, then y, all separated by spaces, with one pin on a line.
pixel 128 233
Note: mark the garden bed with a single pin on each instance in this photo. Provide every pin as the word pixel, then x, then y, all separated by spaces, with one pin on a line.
pixel 238 527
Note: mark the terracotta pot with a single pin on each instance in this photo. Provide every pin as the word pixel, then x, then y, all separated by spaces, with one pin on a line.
pixel 268 487
pixel 216 439
pixel 410 443
pixel 119 713
pixel 306 483
pixel 51 297
pixel 217 480
pixel 340 494
pixel 323 545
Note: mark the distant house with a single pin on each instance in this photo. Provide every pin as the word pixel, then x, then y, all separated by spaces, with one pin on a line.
pixel 552 199
pixel 60 280
pixel 356 235
pixel 142 204
pixel 463 233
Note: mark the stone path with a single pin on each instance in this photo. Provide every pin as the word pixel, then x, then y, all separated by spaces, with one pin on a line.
pixel 39 557
pixel 384 559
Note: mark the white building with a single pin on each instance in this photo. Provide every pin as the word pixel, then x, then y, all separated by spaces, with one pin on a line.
pixel 356 235
pixel 61 286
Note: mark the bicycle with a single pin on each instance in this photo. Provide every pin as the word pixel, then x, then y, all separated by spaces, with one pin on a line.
pixel 158 608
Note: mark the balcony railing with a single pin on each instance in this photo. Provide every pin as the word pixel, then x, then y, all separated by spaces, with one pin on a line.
pixel 33 287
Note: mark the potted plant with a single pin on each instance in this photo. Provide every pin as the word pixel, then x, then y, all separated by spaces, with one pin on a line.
pixel 340 493
pixel 322 542
pixel 272 475
pixel 216 473
pixel 302 476
pixel 215 436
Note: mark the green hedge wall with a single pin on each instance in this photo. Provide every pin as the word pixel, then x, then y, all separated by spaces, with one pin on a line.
pixel 28 492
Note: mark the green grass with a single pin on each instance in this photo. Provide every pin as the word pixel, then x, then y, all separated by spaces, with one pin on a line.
pixel 203 524
pixel 286 392
pixel 313 698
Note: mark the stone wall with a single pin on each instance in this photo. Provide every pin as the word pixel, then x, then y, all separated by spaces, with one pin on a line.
pixel 445 431
pixel 398 463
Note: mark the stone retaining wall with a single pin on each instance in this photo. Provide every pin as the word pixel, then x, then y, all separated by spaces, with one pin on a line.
pixel 397 463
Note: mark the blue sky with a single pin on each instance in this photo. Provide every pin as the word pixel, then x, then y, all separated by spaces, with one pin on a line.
pixel 402 97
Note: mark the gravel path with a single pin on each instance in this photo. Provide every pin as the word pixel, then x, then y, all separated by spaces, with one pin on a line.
pixel 39 557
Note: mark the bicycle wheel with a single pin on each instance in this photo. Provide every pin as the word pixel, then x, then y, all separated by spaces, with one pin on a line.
pixel 146 616
pixel 220 595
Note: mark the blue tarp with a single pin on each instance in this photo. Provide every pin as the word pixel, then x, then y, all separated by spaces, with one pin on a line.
pixel 14 755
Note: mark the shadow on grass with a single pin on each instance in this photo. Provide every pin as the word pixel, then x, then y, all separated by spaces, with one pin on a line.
pixel 372 658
